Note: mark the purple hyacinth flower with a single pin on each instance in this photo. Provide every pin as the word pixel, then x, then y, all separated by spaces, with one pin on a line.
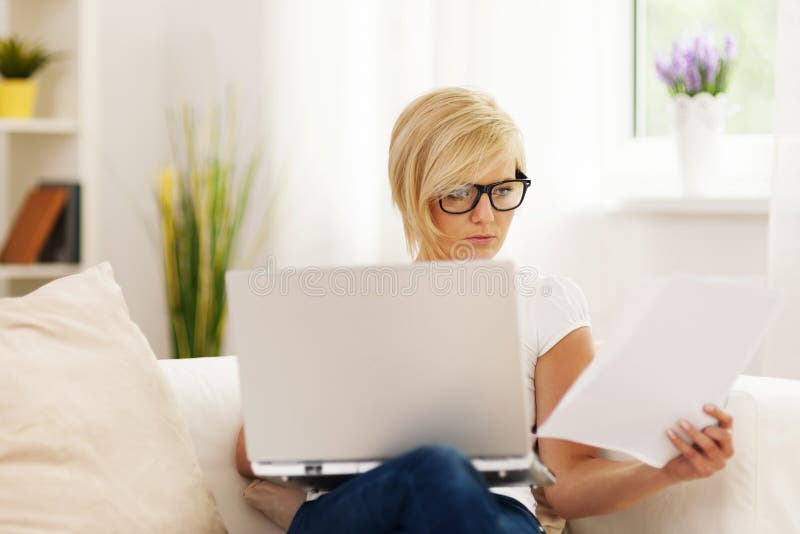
pixel 663 70
pixel 709 62
pixel 729 51
pixel 677 67
pixel 698 44
pixel 689 58
pixel 712 68
pixel 693 81
pixel 697 64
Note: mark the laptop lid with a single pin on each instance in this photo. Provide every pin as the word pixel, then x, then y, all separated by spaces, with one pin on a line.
pixel 366 362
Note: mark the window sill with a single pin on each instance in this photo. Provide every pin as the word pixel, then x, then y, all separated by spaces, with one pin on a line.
pixel 692 206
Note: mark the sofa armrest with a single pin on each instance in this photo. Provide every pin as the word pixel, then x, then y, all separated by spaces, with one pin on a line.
pixel 778 433
pixel 207 392
pixel 758 490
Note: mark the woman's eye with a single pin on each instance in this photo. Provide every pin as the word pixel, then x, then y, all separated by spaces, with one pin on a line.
pixel 458 193
pixel 501 191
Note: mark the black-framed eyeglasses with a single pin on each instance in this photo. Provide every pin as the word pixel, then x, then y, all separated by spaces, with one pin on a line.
pixel 503 196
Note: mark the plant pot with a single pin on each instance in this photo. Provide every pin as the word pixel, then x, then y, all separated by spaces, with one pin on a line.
pixel 699 122
pixel 17 98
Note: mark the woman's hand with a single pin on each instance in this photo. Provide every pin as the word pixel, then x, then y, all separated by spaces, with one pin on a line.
pixel 278 503
pixel 712 447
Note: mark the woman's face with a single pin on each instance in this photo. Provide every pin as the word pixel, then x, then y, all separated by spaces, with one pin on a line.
pixel 462 231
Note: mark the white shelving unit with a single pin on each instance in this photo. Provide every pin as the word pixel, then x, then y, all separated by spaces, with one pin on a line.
pixel 57 143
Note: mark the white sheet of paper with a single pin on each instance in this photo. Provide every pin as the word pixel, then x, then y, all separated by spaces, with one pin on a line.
pixel 682 343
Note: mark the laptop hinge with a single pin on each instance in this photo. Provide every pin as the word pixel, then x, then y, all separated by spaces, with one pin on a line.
pixel 313 468
pixel 515 463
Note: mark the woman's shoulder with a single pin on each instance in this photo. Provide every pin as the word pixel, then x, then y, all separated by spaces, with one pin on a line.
pixel 543 289
pixel 554 305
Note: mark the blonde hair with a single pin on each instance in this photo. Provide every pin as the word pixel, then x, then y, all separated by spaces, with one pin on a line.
pixel 442 139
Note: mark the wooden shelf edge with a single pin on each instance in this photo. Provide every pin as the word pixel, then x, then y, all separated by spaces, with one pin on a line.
pixel 37 271
pixel 57 126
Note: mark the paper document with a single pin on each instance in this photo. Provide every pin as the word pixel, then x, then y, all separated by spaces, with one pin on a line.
pixel 681 344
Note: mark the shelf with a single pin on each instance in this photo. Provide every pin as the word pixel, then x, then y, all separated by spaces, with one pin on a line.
pixel 60 141
pixel 36 271
pixel 729 206
pixel 39 126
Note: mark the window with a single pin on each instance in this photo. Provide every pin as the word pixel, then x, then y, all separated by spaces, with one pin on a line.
pixel 752 22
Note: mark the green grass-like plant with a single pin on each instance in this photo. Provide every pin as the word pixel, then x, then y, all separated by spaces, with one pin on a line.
pixel 202 201
pixel 20 60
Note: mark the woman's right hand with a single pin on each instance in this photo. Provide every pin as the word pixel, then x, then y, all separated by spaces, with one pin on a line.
pixel 279 503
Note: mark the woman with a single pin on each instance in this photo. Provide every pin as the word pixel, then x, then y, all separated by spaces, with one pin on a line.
pixel 456 167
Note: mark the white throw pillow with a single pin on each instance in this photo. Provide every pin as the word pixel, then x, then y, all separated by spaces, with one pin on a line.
pixel 90 435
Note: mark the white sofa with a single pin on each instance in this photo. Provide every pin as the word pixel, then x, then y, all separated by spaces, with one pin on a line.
pixel 758 492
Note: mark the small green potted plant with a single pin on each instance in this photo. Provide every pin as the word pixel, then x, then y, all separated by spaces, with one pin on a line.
pixel 19 61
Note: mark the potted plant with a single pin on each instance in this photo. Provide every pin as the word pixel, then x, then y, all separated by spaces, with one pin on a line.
pixel 203 198
pixel 19 61
pixel 697 76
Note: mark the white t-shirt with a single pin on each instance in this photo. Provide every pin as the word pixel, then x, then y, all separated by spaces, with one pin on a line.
pixel 551 308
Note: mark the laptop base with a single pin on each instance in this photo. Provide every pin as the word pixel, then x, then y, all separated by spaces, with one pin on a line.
pixel 329 482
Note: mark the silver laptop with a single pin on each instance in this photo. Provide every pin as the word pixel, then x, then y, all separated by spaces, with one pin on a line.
pixel 342 368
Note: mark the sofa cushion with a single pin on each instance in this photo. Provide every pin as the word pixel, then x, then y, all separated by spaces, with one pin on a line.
pixel 90 435
pixel 724 502
pixel 207 390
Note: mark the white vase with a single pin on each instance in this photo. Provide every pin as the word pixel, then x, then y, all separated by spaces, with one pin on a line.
pixel 699 122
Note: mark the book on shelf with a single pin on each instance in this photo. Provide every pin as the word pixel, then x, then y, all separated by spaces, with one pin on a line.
pixel 47 226
pixel 64 242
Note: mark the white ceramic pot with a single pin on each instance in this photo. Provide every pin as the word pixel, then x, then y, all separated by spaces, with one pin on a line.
pixel 699 122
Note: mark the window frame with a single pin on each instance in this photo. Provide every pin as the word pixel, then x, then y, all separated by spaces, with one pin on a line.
pixel 640 165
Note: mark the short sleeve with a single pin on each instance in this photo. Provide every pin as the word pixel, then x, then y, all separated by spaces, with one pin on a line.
pixel 556 308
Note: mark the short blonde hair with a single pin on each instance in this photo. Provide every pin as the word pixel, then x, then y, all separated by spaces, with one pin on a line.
pixel 442 139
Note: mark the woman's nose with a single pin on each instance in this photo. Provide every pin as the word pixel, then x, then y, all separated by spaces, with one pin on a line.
pixel 483 212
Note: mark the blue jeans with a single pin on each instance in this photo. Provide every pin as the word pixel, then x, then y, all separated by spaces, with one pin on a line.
pixel 432 489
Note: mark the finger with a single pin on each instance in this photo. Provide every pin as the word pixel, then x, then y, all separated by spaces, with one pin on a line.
pixel 251 488
pixel 695 458
pixel 707 445
pixel 725 419
pixel 262 485
pixel 265 489
pixel 723 438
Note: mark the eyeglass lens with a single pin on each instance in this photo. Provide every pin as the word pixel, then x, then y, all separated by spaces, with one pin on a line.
pixel 504 196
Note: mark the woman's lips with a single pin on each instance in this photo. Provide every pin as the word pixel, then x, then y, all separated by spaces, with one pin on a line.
pixel 481 240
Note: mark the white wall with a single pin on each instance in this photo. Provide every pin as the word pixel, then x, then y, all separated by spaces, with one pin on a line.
pixel 131 147
pixel 154 56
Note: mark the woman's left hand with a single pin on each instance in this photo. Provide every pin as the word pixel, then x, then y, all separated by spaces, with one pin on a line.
pixel 712 447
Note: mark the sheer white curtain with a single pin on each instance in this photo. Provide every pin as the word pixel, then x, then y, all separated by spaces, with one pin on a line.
pixel 338 73
pixel 782 350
